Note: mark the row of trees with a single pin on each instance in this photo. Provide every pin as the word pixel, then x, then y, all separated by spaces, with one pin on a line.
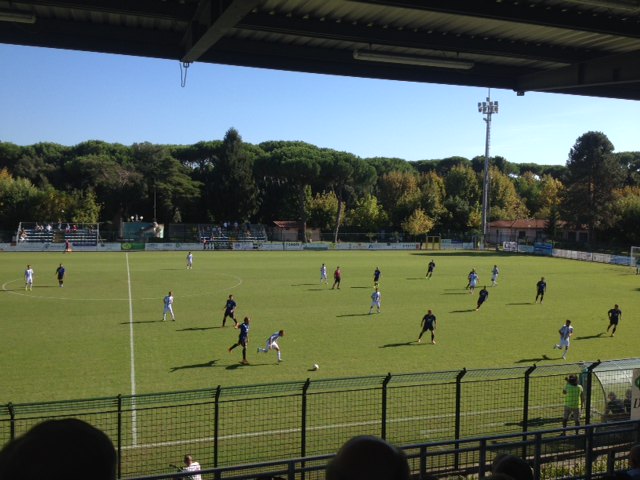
pixel 230 180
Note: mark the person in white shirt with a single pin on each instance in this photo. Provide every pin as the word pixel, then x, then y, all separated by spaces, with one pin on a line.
pixel 323 274
pixel 375 300
pixel 272 344
pixel 168 307
pixel 191 466
pixel 28 278
pixel 494 275
pixel 189 261
pixel 565 335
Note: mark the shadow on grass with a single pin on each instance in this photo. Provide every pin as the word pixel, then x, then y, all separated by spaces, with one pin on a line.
pixel 415 278
pixel 360 287
pixel 303 284
pixel 196 329
pixel 144 321
pixel 520 303
pixel 455 293
pixel 212 363
pixel 240 365
pixel 535 422
pixel 353 315
pixel 590 337
pixel 463 253
pixel 392 345
pixel 463 311
pixel 541 358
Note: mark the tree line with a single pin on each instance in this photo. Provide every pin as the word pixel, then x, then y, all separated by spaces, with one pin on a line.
pixel 230 180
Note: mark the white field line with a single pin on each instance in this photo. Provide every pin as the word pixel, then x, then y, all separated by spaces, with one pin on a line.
pixel 134 419
pixel 426 433
pixel 20 292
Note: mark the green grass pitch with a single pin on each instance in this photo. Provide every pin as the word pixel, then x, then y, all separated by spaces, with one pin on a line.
pixel 75 342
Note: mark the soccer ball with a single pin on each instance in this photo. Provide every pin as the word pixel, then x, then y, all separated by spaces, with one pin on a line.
pixel 316 366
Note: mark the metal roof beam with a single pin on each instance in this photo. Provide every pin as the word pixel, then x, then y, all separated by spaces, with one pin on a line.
pixel 420 39
pixel 543 15
pixel 212 21
pixel 614 71
pixel 340 62
pixel 176 11
pixel 93 38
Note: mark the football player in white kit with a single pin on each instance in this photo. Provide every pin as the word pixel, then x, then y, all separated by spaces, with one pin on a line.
pixel 375 300
pixel 272 344
pixel 28 278
pixel 189 261
pixel 168 307
pixel 323 274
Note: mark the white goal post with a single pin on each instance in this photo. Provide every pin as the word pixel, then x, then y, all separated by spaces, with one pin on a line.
pixel 634 258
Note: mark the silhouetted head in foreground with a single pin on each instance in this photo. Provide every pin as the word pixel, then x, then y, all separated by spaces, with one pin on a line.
pixel 368 458
pixel 68 449
pixel 514 467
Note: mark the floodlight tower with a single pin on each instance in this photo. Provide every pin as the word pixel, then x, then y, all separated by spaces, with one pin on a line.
pixel 487 108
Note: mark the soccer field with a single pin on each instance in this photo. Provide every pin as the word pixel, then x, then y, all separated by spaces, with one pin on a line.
pixel 102 334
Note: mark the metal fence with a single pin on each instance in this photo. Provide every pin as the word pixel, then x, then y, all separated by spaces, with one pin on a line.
pixel 227 426
pixel 591 452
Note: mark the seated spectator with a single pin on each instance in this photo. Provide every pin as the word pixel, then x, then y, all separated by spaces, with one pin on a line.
pixel 512 466
pixel 191 466
pixel 634 462
pixel 615 408
pixel 49 227
pixel 368 458
pixel 627 402
pixel 67 449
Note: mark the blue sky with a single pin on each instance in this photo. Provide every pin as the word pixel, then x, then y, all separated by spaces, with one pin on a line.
pixel 68 97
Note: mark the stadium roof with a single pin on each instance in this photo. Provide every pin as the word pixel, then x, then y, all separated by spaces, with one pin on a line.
pixel 584 47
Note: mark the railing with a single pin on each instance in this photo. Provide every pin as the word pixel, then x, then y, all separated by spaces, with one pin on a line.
pixel 594 451
pixel 227 426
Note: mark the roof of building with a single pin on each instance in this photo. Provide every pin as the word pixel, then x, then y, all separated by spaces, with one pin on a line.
pixel 583 47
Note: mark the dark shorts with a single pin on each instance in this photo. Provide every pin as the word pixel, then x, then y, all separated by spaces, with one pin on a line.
pixel 613 321
pixel 229 313
pixel 242 340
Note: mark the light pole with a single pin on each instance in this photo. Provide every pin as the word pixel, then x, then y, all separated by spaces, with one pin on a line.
pixel 487 108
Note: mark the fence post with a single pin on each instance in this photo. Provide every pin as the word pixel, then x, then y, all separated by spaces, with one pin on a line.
pixel 461 374
pixel 12 421
pixel 303 426
pixel 588 448
pixel 537 457
pixel 587 404
pixel 385 382
pixel 482 458
pixel 119 434
pixel 525 406
pixel 216 427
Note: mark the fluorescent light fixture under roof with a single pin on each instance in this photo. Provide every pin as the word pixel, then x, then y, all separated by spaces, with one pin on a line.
pixel 16 16
pixel 374 56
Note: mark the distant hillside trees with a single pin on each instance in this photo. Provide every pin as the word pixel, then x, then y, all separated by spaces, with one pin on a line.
pixel 234 181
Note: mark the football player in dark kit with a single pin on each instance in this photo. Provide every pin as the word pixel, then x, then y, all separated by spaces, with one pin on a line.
pixel 230 311
pixel 430 268
pixel 541 288
pixel 243 339
pixel 482 297
pixel 428 323
pixel 615 314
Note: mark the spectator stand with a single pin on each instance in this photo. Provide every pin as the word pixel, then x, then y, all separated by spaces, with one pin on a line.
pixel 84 234
pixel 222 237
